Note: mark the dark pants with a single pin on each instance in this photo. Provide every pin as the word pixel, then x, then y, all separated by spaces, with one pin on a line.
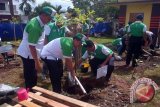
pixel 30 73
pixel 134 50
pixel 95 63
pixel 55 68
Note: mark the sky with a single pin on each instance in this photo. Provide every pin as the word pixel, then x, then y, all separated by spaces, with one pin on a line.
pixel 63 3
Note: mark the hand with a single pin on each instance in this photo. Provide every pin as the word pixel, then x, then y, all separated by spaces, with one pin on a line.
pixel 38 66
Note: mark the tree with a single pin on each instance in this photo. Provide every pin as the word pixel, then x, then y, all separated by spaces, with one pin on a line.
pixel 101 7
pixel 38 8
pixel 26 7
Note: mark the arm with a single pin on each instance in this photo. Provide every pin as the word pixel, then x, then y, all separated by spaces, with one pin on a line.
pixel 69 64
pixel 35 57
pixel 68 32
pixel 145 36
pixel 105 51
pixel 107 60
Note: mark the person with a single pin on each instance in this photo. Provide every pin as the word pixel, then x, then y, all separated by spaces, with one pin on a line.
pixel 102 56
pixel 53 53
pixel 150 39
pixel 137 32
pixel 120 31
pixel 31 45
pixel 54 30
pixel 118 43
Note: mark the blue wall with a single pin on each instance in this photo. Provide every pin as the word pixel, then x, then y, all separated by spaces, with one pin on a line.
pixel 7 31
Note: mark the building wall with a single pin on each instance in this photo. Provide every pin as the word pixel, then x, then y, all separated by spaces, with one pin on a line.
pixel 145 8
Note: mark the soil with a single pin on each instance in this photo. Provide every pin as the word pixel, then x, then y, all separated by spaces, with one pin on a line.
pixel 112 94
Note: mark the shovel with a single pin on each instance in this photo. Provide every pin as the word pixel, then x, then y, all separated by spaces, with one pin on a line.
pixel 80 85
pixel 75 81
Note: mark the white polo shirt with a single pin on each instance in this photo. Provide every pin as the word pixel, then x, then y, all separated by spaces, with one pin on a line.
pixel 32 35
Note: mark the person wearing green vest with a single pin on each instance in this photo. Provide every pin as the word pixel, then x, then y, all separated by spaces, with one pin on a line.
pixel 137 31
pixel 31 45
pixel 54 30
pixel 54 52
pixel 100 56
pixel 118 44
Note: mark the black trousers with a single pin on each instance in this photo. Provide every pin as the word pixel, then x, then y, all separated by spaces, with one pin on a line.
pixel 30 73
pixel 134 49
pixel 55 68
pixel 95 63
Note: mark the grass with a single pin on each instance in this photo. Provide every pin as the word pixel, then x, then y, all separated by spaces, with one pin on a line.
pixel 102 40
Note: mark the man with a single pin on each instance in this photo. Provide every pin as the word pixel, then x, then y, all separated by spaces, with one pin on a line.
pixel 101 56
pixel 151 39
pixel 31 45
pixel 53 53
pixel 137 32
pixel 54 30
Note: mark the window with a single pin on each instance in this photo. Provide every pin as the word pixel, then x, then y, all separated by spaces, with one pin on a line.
pixel 2 6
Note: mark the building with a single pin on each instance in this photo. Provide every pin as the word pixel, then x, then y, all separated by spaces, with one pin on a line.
pixel 150 9
pixel 8 9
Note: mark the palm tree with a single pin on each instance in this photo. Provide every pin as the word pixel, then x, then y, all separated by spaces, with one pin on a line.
pixel 26 7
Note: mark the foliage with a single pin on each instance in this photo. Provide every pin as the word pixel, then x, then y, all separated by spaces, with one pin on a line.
pixel 101 7
pixel 39 7
pixel 77 15
pixel 99 19
pixel 25 6
pixel 16 19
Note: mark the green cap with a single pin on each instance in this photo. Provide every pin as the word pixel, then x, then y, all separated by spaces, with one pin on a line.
pixel 80 37
pixel 49 11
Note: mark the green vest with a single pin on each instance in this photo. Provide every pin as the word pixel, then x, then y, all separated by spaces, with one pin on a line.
pixel 99 54
pixel 34 30
pixel 55 32
pixel 117 41
pixel 136 29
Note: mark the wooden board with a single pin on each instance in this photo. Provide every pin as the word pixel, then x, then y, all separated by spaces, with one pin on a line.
pixel 63 99
pixel 46 98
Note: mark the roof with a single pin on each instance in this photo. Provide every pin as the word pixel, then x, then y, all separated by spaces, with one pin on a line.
pixel 134 1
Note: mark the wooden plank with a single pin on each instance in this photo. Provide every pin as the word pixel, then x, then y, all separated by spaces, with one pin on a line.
pixel 28 104
pixel 63 99
pixel 5 105
pixel 46 101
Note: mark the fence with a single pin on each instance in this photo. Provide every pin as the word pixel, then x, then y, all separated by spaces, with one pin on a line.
pixel 10 31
